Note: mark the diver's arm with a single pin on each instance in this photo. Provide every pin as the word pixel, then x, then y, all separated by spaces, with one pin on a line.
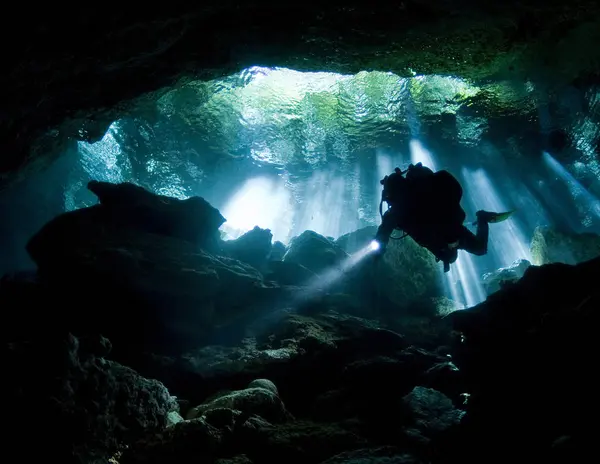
pixel 387 226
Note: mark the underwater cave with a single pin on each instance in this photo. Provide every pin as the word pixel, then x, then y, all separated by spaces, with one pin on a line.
pixel 189 200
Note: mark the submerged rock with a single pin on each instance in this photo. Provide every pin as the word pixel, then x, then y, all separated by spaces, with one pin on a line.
pixel 254 247
pixel 302 442
pixel 131 206
pixel 552 246
pixel 289 273
pixel 260 398
pixel 404 279
pixel 432 413
pixel 191 439
pixel 302 355
pixel 239 459
pixel 357 240
pixel 494 281
pixel 177 292
pixel 314 252
pixel 92 406
pixel 313 382
pixel 277 251
pixel 381 455
pixel 525 356
pixel 408 273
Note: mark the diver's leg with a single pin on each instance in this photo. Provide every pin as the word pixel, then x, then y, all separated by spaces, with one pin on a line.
pixel 475 243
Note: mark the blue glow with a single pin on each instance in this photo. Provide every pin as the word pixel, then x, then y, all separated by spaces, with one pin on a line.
pixel 589 202
pixel 509 241
pixel 419 154
pixel 262 202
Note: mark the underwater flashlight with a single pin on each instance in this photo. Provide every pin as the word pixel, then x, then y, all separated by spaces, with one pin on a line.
pixel 375 245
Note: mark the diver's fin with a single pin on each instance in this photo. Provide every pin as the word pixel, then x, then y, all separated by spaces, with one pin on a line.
pixel 497 217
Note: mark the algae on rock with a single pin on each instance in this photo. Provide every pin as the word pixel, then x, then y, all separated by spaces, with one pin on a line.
pixel 553 246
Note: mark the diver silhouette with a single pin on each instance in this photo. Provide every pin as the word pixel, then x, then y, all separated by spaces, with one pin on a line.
pixel 425 205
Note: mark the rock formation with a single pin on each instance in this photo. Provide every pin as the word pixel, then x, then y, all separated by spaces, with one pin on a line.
pixel 260 376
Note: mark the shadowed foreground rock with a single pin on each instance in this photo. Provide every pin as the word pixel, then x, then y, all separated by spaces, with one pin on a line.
pixel 526 357
pixel 145 281
pixel 312 380
pixel 90 407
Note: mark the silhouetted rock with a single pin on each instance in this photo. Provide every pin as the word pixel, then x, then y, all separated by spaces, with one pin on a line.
pixel 553 246
pixel 92 407
pixel 303 441
pixel 405 278
pixel 431 413
pixel 277 251
pixel 525 354
pixel 254 247
pixel 382 455
pixel 186 440
pixel 305 376
pixel 141 286
pixel 259 398
pixel 494 281
pixel 288 273
pixel 131 206
pixel 302 355
pixel 315 252
pixel 357 240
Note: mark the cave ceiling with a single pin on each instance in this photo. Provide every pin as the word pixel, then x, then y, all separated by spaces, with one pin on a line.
pixel 69 73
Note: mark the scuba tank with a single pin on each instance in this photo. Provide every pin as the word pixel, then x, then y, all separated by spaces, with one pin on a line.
pixel 396 185
pixel 392 186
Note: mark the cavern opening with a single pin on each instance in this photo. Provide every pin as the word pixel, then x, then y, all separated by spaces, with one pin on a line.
pixel 292 151
pixel 197 257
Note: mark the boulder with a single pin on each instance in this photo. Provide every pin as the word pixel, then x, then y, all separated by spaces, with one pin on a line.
pixel 552 246
pixel 432 413
pixel 277 251
pixel 302 442
pixel 380 455
pixel 229 436
pixel 92 406
pixel 403 279
pixel 408 273
pixel 494 281
pixel 253 247
pixel 356 240
pixel 302 355
pixel 315 252
pixel 289 273
pixel 525 356
pixel 260 398
pixel 131 206
pixel 197 439
pixel 369 386
pixel 239 459
pixel 178 292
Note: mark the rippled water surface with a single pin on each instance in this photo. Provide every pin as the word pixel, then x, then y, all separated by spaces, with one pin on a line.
pixel 291 151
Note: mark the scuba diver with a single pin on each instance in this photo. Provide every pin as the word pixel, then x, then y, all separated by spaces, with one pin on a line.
pixel 426 206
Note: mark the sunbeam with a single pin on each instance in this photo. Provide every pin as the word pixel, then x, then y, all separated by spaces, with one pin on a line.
pixel 335 273
pixel 419 154
pixel 263 202
pixel 509 242
pixel 463 282
pixel 324 209
pixel 589 202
